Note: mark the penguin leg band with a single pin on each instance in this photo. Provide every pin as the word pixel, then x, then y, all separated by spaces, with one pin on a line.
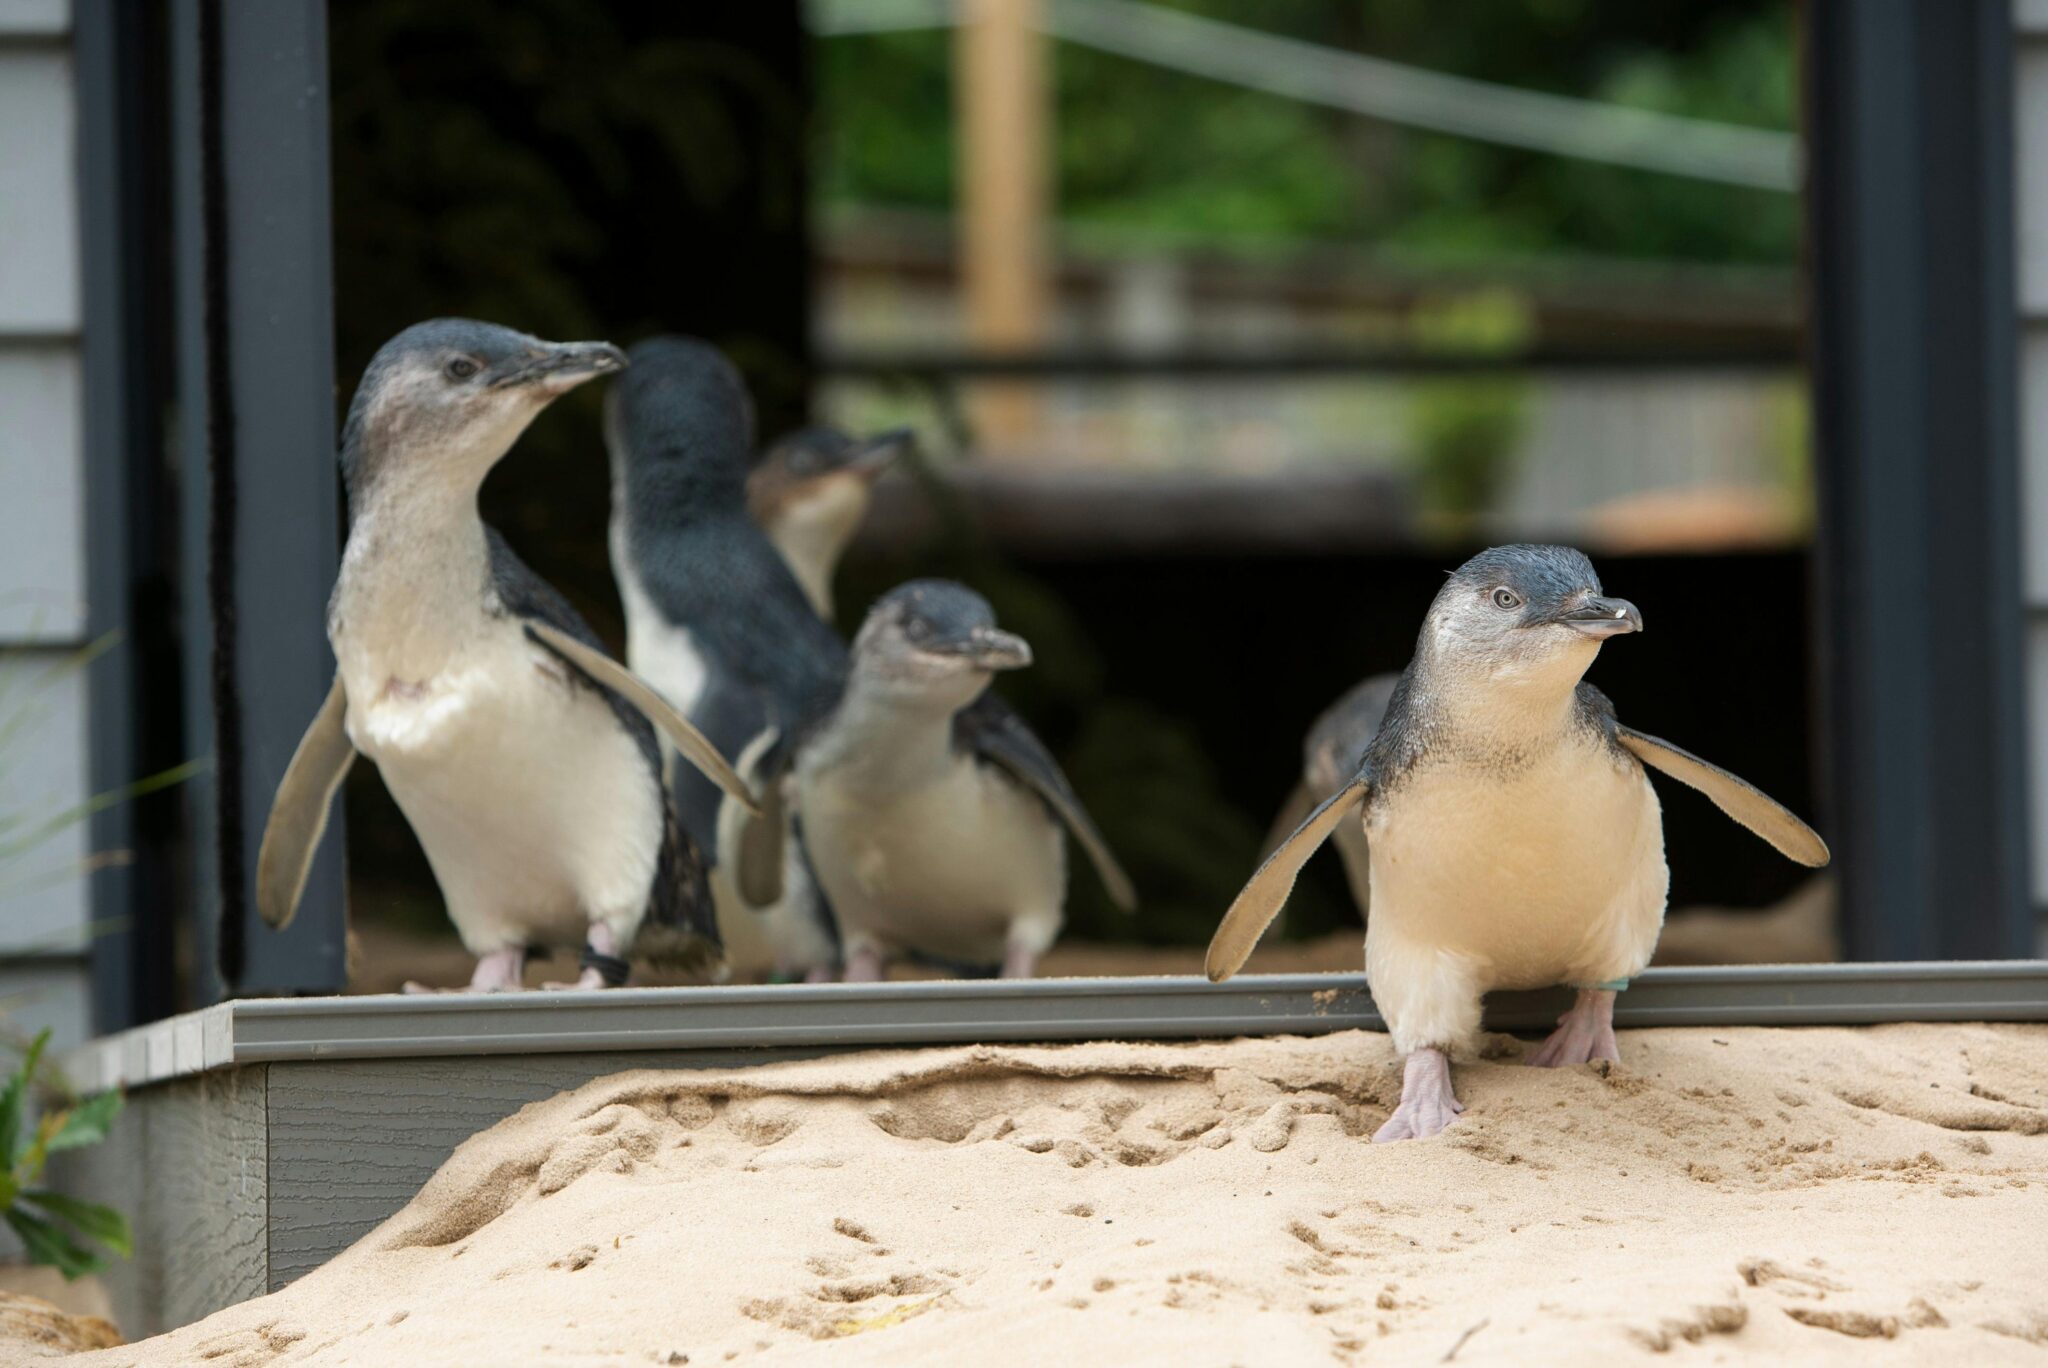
pixel 1610 986
pixel 610 968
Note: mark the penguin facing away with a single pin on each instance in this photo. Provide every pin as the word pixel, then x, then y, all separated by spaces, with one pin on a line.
pixel 719 625
pixel 523 756
pixel 1329 756
pixel 810 492
pixel 1515 840
pixel 931 812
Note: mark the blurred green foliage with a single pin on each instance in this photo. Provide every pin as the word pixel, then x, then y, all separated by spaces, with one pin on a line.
pixel 56 1229
pixel 1463 432
pixel 1162 155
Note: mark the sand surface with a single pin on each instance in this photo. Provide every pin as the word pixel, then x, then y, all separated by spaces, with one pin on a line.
pixel 1770 1196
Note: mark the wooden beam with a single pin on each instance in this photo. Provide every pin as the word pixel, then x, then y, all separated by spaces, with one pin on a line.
pixel 1003 102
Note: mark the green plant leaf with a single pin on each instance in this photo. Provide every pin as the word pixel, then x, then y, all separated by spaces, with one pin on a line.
pixel 29 1165
pixel 86 1123
pixel 48 1244
pixel 102 1223
pixel 98 803
pixel 14 1098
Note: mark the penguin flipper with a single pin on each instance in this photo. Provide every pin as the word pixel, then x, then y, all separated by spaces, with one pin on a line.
pixel 756 839
pixel 693 744
pixel 1266 893
pixel 994 732
pixel 1301 801
pixel 1748 805
pixel 298 815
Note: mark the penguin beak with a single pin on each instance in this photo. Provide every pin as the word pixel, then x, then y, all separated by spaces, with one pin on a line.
pixel 1601 618
pixel 988 648
pixel 880 452
pixel 561 367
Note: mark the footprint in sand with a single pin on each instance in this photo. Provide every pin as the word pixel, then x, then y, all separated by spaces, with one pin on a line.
pixel 1803 1286
pixel 249 1348
pixel 843 1303
pixel 1698 1322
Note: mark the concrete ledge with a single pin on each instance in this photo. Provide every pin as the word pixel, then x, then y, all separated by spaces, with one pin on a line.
pixel 839 1016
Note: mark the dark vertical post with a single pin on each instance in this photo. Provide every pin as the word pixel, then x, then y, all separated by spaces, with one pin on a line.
pixel 118 185
pixel 1914 327
pixel 256 400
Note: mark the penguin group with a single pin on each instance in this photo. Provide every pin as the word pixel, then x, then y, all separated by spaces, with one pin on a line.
pixel 749 796
pixel 743 796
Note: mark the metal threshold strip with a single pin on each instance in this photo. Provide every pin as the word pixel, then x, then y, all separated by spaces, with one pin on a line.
pixel 838 1016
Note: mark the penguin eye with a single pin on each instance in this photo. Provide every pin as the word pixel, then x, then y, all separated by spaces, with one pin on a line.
pixel 1506 598
pixel 461 368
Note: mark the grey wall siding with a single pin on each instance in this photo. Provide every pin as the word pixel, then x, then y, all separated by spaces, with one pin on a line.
pixel 34 18
pixel 38 211
pixel 188 1163
pixel 44 908
pixel 42 516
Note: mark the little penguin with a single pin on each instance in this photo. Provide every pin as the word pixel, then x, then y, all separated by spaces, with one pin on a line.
pixel 720 626
pixel 811 491
pixel 521 754
pixel 931 812
pixel 1329 755
pixel 1515 840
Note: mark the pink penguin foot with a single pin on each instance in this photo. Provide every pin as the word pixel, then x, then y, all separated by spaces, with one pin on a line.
pixel 1019 961
pixel 501 971
pixel 1583 1034
pixel 601 944
pixel 865 965
pixel 1427 1102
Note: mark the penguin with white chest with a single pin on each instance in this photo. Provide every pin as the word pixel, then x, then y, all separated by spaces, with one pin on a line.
pixel 1515 841
pixel 522 755
pixel 717 622
pixel 932 814
pixel 811 491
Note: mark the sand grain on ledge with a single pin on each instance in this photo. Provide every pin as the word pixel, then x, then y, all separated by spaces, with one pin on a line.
pixel 1787 1196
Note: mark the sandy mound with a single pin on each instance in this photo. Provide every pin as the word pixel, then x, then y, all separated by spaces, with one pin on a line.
pixel 31 1327
pixel 1811 1196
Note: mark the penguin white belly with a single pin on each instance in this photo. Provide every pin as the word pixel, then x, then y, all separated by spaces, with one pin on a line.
pixel 788 936
pixel 953 866
pixel 1551 874
pixel 536 809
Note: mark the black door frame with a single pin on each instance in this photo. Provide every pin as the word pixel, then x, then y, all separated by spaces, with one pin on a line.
pixel 1914 337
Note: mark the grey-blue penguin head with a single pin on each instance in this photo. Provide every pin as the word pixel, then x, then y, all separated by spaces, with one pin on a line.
pixel 814 453
pixel 821 477
pixel 934 639
pixel 683 431
pixel 1531 610
pixel 449 396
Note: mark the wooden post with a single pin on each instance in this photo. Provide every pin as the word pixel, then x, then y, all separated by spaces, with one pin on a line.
pixel 1003 102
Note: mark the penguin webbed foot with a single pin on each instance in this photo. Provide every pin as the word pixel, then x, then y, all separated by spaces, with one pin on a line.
pixel 1584 1033
pixel 1428 1103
